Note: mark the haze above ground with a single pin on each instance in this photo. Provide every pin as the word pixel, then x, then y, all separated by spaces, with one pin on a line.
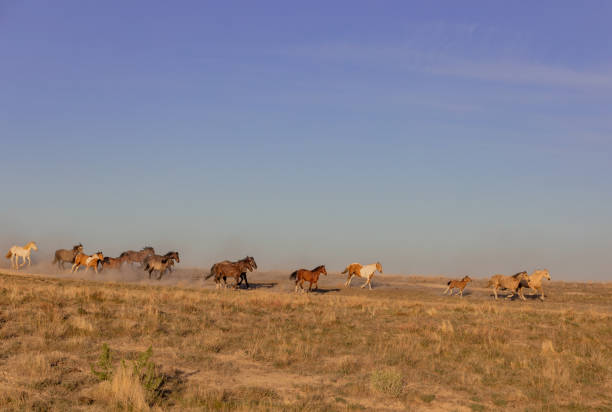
pixel 444 138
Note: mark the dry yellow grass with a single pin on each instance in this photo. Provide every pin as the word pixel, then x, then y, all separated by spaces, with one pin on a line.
pixel 389 349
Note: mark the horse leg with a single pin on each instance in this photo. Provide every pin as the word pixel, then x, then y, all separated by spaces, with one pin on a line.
pixel 246 281
pixel 348 281
pixel 495 292
pixel 367 282
pixel 447 289
pixel 461 289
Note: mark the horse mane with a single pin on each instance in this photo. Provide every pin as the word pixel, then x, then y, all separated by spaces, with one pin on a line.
pixel 318 268
pixel 518 274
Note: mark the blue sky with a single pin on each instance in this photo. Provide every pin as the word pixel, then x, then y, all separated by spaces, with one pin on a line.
pixel 443 137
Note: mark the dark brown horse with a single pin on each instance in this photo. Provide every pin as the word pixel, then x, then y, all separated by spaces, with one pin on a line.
pixel 160 263
pixel 131 256
pixel 311 276
pixel 66 255
pixel 110 263
pixel 237 270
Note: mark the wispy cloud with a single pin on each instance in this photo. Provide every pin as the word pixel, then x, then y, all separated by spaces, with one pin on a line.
pixel 442 63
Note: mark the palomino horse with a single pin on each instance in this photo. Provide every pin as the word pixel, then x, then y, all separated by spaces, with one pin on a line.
pixel 131 256
pixel 16 252
pixel 237 270
pixel 160 263
pixel 534 281
pixel 88 261
pixel 457 284
pixel 66 255
pixel 311 276
pixel 367 271
pixel 510 283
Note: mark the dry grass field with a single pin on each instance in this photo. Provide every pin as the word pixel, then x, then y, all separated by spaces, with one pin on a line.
pixel 82 345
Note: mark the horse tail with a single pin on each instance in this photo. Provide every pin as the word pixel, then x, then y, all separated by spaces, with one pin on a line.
pixel 490 283
pixel 449 282
pixel 212 272
pixel 345 271
pixel 55 259
pixel 293 275
pixel 9 254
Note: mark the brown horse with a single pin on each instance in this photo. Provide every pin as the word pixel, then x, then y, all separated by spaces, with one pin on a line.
pixel 131 256
pixel 237 270
pixel 311 276
pixel 160 263
pixel 88 261
pixel 458 284
pixel 510 283
pixel 66 255
pixel 109 263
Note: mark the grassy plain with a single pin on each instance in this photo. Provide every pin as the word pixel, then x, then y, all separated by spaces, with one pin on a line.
pixel 400 346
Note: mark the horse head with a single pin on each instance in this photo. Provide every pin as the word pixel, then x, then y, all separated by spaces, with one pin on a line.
pixel 467 279
pixel 323 270
pixel 251 261
pixel 173 255
pixel 379 267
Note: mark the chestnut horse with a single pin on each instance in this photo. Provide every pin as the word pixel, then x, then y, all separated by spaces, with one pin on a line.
pixel 311 276
pixel 457 284
pixel 367 271
pixel 88 261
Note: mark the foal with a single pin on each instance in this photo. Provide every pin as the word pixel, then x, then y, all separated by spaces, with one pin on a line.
pixel 457 284
pixel 311 276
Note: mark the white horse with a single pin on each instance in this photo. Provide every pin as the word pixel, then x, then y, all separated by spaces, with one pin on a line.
pixel 367 271
pixel 17 252
pixel 535 281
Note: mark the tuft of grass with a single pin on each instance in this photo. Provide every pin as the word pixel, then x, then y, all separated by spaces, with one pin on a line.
pixel 104 371
pixel 387 381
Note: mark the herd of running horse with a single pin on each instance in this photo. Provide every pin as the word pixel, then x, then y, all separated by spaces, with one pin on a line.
pixel 151 262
